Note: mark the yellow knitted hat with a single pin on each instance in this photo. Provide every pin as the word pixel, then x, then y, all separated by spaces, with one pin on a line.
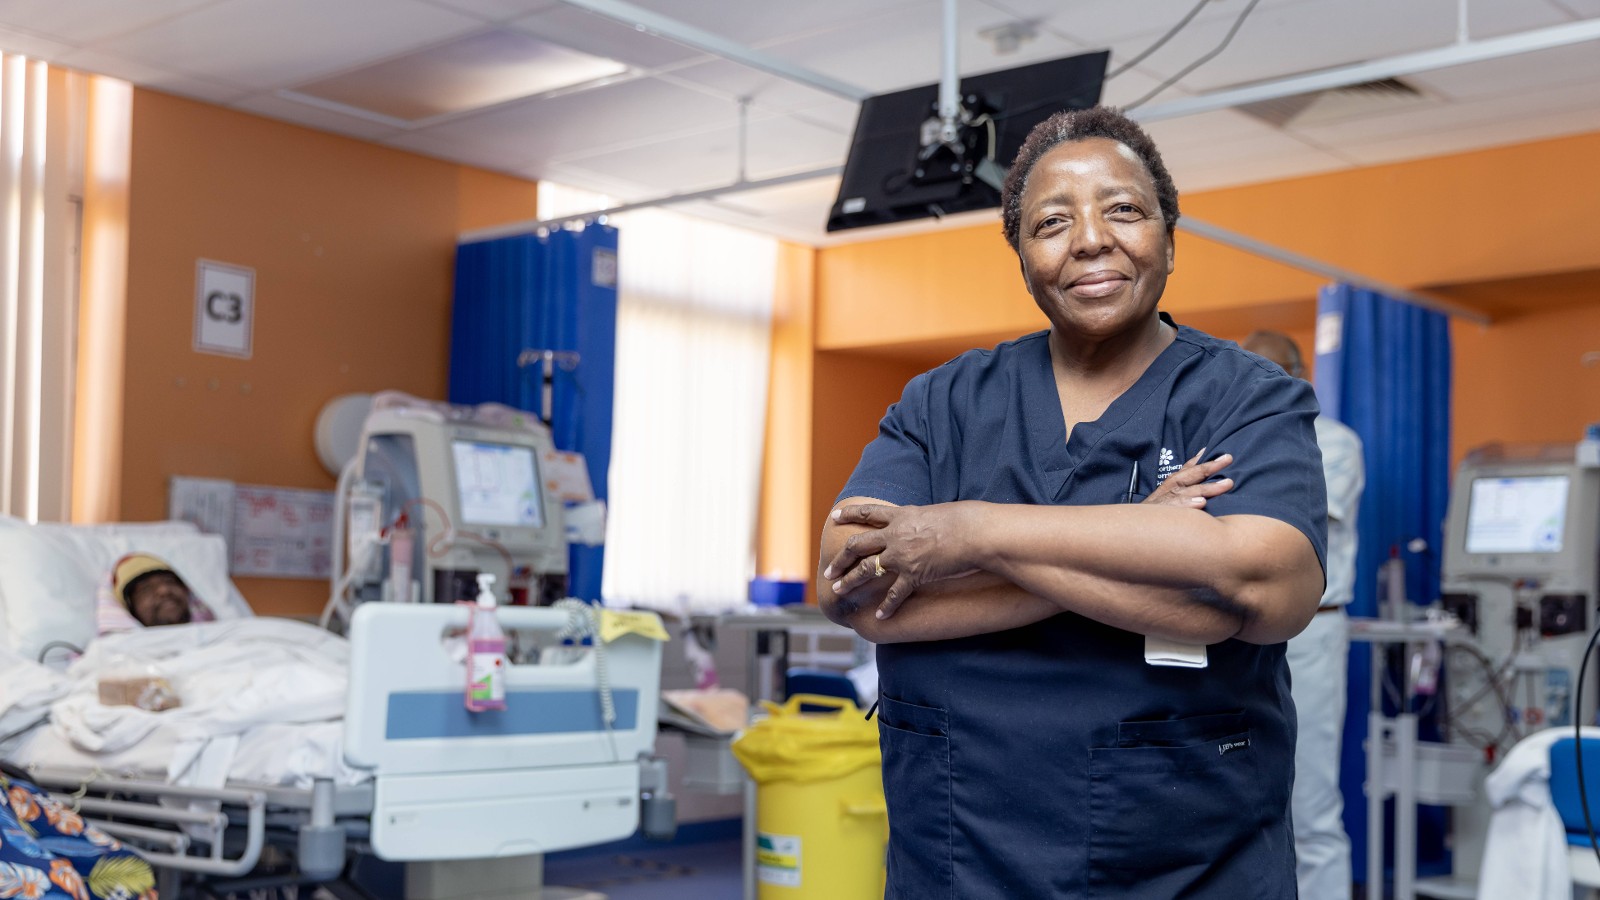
pixel 132 567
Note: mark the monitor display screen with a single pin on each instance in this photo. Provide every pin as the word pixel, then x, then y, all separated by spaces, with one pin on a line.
pixel 498 484
pixel 1526 514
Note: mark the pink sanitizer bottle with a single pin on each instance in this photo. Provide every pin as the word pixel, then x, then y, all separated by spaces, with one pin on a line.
pixel 486 653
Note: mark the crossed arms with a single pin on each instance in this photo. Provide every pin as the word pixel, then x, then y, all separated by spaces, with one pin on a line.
pixel 1165 568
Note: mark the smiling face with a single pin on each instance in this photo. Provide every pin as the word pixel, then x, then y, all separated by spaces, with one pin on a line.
pixel 1095 250
pixel 160 598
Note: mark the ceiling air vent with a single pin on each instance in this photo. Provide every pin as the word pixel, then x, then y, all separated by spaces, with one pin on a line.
pixel 1336 104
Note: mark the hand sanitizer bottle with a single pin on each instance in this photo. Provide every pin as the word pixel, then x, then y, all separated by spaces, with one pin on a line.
pixel 486 653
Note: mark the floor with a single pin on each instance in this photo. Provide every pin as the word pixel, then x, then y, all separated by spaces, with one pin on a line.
pixel 698 865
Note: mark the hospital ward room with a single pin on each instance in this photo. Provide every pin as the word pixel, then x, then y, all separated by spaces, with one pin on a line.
pixel 827 450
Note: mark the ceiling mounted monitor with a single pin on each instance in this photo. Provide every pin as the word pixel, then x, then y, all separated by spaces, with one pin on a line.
pixel 900 169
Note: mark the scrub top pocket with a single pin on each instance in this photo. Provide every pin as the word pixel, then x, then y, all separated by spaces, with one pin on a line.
pixel 1174 798
pixel 916 776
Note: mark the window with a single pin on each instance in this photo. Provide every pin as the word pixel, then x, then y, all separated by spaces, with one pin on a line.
pixel 693 338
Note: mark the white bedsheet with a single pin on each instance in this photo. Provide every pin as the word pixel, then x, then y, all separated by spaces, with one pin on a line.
pixel 262 702
pixel 27 690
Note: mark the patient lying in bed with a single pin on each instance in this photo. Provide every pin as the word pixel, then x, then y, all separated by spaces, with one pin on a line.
pixel 143 591
pixel 261 699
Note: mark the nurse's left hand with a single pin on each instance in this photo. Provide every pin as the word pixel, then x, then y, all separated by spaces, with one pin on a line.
pixel 1190 486
pixel 915 544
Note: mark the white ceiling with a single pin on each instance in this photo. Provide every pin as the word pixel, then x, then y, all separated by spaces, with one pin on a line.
pixel 670 124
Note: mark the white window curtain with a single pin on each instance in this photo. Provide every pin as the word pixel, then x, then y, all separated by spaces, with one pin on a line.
pixel 41 165
pixel 693 340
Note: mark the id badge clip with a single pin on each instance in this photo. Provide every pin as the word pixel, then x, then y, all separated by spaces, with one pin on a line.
pixel 1162 652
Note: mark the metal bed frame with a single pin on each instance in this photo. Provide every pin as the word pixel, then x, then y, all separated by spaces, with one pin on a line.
pixel 567 765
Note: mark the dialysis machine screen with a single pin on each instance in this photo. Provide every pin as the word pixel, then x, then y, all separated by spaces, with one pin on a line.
pixel 1525 514
pixel 498 484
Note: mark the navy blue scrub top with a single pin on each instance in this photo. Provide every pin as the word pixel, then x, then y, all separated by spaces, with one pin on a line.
pixel 1051 760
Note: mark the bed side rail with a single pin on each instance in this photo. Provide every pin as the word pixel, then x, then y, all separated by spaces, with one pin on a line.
pixel 165 821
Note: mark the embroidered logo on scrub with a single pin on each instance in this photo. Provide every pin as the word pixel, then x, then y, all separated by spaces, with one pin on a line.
pixel 1165 465
pixel 1223 748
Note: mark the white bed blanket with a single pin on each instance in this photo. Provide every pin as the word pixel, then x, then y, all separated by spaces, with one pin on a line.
pixel 264 693
pixel 27 690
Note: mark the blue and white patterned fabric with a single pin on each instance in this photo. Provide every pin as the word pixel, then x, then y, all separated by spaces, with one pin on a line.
pixel 48 851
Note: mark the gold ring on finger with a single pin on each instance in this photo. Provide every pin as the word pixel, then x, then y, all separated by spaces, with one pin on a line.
pixel 877 566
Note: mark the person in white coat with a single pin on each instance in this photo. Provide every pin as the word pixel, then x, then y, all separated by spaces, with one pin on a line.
pixel 1319 656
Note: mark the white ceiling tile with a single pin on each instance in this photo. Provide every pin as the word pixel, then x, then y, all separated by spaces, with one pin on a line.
pixel 582 30
pixel 502 157
pixel 800 197
pixel 1478 137
pixel 648 136
pixel 798 211
pixel 116 67
pixel 883 54
pixel 275 43
pixel 1492 18
pixel 778 145
pixel 574 175
pixel 199 89
pixel 498 10
pixel 766 91
pixel 1514 108
pixel 1243 147
pixel 1132 86
pixel 1219 171
pixel 610 117
pixel 289 110
pixel 31 45
pixel 153 77
pixel 87 21
pixel 888 51
pixel 1301 37
pixel 802 228
pixel 759 23
pixel 1582 9
pixel 1525 73
pixel 1208 129
pixel 1101 23
pixel 834 115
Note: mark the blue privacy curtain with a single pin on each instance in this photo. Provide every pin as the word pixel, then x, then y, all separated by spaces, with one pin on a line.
pixel 555 292
pixel 1383 368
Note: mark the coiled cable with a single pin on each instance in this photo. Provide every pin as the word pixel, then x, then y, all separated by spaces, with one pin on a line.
pixel 583 621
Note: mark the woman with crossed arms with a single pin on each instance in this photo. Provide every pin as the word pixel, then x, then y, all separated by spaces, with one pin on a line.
pixel 1084 694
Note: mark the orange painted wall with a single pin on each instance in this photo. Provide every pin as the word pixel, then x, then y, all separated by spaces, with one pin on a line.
pixel 850 393
pixel 1534 378
pixel 352 245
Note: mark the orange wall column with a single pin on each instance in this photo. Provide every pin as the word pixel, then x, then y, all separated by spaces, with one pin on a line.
pixel 102 305
pixel 785 544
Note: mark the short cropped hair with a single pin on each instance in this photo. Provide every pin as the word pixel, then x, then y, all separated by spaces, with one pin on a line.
pixel 1076 125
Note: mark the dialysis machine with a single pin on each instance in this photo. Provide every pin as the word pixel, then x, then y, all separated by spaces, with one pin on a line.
pixel 1522 549
pixel 440 493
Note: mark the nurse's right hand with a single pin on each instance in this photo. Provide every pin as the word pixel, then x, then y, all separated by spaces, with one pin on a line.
pixel 1189 488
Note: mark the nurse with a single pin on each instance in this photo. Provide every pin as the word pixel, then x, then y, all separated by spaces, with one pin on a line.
pixel 1038 739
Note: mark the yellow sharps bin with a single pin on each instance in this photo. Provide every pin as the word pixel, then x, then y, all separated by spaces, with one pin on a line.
pixel 821 824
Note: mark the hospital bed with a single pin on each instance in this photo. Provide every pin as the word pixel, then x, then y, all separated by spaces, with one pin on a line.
pixel 406 771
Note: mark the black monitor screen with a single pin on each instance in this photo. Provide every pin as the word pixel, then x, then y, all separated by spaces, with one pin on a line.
pixel 885 180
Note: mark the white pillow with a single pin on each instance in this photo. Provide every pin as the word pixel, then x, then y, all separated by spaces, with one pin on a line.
pixel 49 573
